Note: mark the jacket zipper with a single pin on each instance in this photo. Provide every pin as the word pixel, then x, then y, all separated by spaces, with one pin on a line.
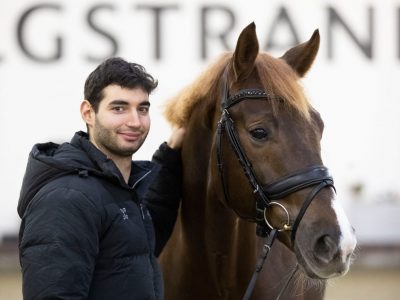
pixel 134 185
pixel 140 179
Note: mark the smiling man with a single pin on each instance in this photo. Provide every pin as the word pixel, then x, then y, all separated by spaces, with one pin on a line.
pixel 93 220
pixel 119 125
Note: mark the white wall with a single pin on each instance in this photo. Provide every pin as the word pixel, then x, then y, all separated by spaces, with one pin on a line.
pixel 356 95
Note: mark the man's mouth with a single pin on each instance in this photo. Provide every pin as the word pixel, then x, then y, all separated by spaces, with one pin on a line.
pixel 130 136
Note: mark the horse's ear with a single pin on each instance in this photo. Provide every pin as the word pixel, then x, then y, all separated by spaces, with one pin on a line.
pixel 301 57
pixel 246 52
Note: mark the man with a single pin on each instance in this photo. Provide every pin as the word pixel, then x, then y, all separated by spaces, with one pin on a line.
pixel 93 220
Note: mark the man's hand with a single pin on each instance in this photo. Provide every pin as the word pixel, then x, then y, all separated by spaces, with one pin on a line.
pixel 176 138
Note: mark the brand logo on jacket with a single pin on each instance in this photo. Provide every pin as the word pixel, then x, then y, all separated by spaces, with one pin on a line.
pixel 123 212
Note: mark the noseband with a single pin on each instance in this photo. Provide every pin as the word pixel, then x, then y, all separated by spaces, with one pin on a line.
pixel 314 176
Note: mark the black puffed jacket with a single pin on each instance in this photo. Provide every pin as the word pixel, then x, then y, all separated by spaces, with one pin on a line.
pixel 85 233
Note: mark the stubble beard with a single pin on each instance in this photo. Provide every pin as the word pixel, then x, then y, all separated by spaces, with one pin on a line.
pixel 107 141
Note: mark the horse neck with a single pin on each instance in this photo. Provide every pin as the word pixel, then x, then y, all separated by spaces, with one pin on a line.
pixel 222 238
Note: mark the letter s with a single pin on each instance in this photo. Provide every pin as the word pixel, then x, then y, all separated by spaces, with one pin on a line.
pixel 95 27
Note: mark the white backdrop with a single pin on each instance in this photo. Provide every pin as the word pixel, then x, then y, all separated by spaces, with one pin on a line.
pixel 355 87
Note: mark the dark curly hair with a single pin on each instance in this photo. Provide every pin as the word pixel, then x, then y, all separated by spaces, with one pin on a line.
pixel 120 72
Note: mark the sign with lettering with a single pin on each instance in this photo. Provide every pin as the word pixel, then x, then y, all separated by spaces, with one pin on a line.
pixel 49 47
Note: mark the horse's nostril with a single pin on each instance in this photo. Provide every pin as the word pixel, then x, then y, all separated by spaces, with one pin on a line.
pixel 325 248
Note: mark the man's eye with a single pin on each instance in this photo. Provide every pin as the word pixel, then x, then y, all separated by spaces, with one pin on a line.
pixel 118 108
pixel 259 133
pixel 144 109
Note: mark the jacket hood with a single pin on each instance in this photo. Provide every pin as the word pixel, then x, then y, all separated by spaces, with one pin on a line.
pixel 49 161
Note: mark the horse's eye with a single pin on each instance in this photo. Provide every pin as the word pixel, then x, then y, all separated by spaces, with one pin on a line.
pixel 259 133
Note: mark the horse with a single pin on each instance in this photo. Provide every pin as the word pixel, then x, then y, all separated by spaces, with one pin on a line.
pixel 252 162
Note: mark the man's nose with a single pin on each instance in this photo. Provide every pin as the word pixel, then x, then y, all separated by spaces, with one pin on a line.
pixel 133 119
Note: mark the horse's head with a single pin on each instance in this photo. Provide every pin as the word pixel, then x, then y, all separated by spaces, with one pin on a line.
pixel 268 151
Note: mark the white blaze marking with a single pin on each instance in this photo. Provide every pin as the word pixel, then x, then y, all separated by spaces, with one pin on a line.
pixel 347 242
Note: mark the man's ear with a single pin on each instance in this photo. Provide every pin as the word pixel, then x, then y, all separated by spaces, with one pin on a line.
pixel 87 113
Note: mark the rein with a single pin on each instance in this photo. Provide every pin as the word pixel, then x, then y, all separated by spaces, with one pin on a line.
pixel 314 176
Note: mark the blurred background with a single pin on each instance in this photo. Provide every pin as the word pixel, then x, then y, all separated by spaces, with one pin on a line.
pixel 48 48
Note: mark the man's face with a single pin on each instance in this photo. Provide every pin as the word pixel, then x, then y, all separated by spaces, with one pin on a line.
pixel 122 121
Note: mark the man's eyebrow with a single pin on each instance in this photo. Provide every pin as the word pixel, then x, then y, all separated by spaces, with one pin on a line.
pixel 118 102
pixel 145 103
pixel 124 102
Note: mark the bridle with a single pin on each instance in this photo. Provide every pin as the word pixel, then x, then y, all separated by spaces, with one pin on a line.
pixel 315 176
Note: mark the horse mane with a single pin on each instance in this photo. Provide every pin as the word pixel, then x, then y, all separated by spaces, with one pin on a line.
pixel 277 77
pixel 179 108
